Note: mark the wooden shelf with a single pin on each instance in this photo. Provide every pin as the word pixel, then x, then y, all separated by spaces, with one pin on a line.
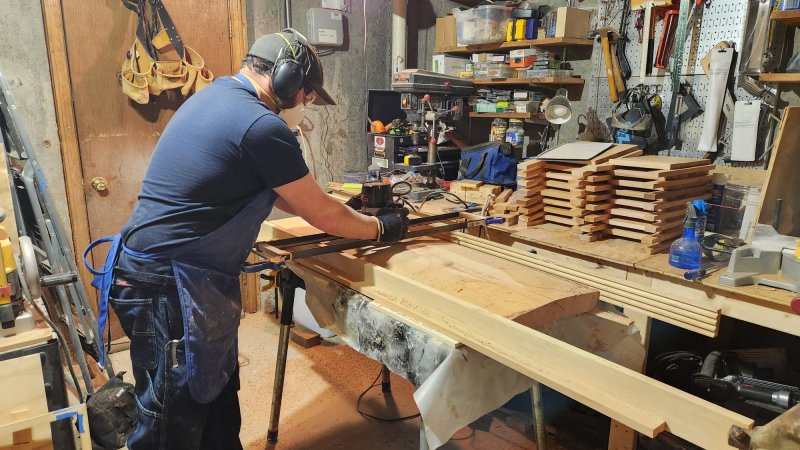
pixel 546 42
pixel 508 115
pixel 780 77
pixel 529 81
pixel 791 17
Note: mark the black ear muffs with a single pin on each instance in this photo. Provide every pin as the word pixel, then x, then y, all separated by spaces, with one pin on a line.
pixel 288 73
pixel 287 78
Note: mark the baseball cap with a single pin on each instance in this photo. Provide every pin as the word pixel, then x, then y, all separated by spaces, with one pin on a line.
pixel 269 47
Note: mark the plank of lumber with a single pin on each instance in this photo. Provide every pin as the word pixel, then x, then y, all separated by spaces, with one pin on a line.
pixel 687 172
pixel 26 339
pixel 25 396
pixel 662 184
pixel 470 184
pixel 662 195
pixel 644 404
pixel 656 205
pixel 644 215
pixel 623 293
pixel 782 181
pixel 618 151
pixel 659 162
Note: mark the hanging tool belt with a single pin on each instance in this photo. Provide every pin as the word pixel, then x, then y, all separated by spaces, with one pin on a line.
pixel 145 71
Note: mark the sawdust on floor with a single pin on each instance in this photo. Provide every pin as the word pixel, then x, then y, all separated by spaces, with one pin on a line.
pixel 320 392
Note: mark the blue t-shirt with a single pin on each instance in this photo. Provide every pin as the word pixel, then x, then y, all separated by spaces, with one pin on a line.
pixel 221 148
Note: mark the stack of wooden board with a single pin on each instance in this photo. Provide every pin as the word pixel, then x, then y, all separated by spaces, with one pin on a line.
pixel 504 207
pixel 578 193
pixel 472 191
pixel 528 196
pixel 650 196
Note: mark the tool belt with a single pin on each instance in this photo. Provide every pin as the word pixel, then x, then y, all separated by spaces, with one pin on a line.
pixel 143 72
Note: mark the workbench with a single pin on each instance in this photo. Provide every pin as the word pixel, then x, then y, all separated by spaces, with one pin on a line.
pixel 403 284
pixel 611 260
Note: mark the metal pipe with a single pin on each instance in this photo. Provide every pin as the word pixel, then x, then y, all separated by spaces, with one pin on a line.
pixel 277 387
pixel 538 417
pixel 287 9
pixel 386 379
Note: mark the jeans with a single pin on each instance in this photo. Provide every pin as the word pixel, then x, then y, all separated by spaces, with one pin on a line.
pixel 149 311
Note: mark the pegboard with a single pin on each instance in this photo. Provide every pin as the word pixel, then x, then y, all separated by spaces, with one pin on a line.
pixel 723 20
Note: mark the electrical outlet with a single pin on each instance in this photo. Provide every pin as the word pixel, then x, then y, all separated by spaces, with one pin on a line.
pixel 340 5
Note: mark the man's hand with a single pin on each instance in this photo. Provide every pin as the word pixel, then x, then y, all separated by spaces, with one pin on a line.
pixel 394 224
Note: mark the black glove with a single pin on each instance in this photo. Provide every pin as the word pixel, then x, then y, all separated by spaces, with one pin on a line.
pixel 355 202
pixel 394 224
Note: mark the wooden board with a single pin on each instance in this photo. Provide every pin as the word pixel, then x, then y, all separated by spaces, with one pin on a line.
pixel 659 195
pixel 687 172
pixel 677 213
pixel 656 205
pixel 647 227
pixel 782 179
pixel 502 287
pixel 662 184
pixel 659 162
pixel 24 396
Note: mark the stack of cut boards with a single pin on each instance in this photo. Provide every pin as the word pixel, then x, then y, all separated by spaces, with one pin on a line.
pixel 478 192
pixel 650 196
pixel 578 193
pixel 528 196
pixel 473 191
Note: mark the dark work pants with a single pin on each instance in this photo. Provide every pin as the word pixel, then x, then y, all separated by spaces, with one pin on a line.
pixel 168 417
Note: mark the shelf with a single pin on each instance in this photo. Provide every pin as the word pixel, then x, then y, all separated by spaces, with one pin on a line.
pixel 791 17
pixel 508 115
pixel 546 42
pixel 529 81
pixel 780 77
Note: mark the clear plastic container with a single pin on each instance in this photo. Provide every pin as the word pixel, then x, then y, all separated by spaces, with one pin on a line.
pixel 494 70
pixel 482 25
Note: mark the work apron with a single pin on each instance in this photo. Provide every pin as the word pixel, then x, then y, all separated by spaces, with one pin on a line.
pixel 206 273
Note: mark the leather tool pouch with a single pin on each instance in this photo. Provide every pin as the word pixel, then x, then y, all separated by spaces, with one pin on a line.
pixel 145 71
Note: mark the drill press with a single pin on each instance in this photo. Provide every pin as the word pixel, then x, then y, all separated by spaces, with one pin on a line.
pixel 14 318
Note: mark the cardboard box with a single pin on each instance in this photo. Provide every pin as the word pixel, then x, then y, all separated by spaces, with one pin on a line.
pixel 449 65
pixel 572 22
pixel 445 32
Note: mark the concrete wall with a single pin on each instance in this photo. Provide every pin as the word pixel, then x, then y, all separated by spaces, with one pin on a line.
pixel 23 61
pixel 335 140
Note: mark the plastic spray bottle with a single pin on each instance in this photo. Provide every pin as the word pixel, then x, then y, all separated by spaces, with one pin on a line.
pixel 686 252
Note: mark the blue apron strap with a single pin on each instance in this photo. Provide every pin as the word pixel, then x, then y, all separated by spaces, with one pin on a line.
pixel 103 278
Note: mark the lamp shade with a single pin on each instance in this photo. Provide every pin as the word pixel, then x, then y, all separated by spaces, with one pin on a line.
pixel 559 108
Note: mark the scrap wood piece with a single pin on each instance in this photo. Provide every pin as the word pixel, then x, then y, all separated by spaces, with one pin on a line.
pixel 304 337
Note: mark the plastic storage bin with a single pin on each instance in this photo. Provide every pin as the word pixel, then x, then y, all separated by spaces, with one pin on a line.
pixel 493 70
pixel 482 25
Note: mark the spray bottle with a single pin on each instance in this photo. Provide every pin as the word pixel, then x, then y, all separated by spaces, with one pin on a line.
pixel 686 252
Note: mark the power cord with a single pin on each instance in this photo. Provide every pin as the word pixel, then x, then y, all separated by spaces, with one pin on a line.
pixel 449 196
pixel 373 417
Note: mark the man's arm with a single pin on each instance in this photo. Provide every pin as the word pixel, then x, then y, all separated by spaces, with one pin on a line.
pixel 306 199
pixel 281 204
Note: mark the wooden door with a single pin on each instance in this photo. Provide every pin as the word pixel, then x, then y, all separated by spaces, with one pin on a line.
pixel 114 137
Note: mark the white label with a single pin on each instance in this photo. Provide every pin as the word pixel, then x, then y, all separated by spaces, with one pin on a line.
pixel 333 4
pixel 380 142
pixel 382 162
pixel 327 36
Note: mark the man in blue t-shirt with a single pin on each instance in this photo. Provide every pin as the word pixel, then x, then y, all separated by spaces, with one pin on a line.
pixel 224 160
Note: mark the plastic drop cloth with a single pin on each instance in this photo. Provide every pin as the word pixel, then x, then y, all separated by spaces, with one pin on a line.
pixel 455 387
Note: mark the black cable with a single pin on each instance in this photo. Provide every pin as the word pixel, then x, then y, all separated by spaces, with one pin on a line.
pixel 444 195
pixel 379 419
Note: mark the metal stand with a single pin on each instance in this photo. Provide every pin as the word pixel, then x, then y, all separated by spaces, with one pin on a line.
pixel 386 381
pixel 287 283
pixel 538 417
